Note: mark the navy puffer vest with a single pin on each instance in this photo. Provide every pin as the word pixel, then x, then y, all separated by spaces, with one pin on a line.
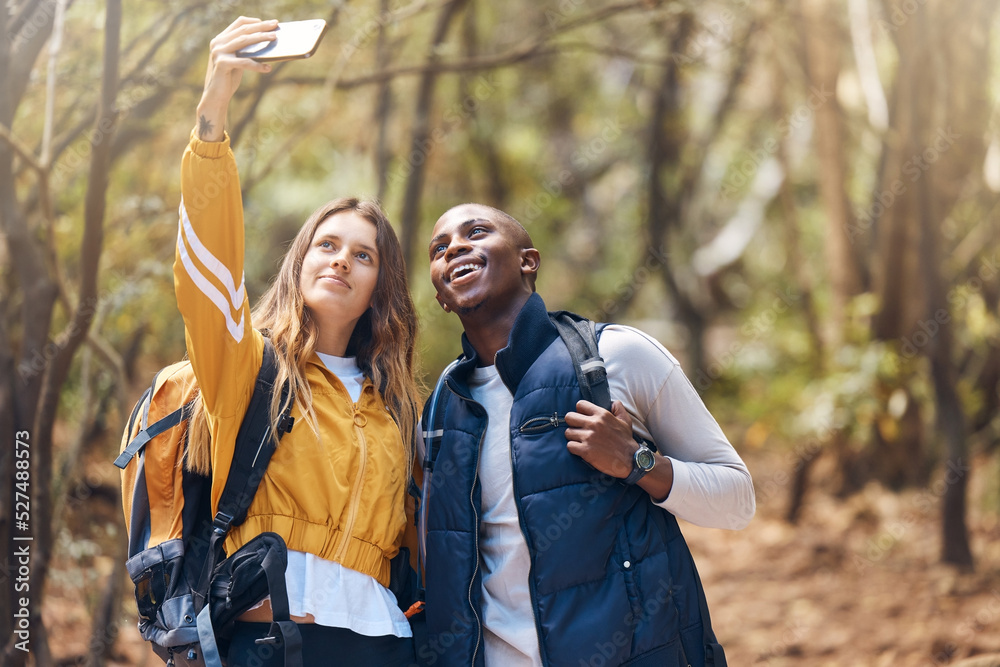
pixel 612 581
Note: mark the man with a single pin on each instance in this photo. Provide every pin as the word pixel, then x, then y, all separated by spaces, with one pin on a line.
pixel 549 540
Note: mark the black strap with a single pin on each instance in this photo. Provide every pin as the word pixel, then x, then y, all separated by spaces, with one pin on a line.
pixel 580 336
pixel 281 624
pixel 142 403
pixel 254 445
pixel 145 435
pixel 252 452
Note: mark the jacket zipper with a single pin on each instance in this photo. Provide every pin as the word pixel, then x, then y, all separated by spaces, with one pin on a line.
pixel 472 502
pixel 356 499
pixel 550 422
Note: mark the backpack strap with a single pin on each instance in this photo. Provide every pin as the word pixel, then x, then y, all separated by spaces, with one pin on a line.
pixel 254 445
pixel 145 435
pixel 580 336
pixel 252 453
pixel 281 626
pixel 433 430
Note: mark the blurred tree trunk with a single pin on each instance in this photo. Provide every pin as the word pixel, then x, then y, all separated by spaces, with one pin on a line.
pixel 383 105
pixel 804 279
pixel 825 47
pixel 421 141
pixel 676 159
pixel 48 367
pixel 482 140
pixel 952 137
pixel 87 300
pixel 667 134
pixel 22 376
pixel 900 457
pixel 939 115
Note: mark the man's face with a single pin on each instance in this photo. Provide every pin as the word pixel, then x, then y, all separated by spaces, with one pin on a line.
pixel 475 260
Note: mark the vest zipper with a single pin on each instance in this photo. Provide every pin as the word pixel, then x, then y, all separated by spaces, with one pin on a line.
pixel 550 422
pixel 541 424
pixel 352 514
pixel 475 512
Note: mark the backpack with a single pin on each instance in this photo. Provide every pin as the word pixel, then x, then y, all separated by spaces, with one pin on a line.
pixel 580 336
pixel 188 594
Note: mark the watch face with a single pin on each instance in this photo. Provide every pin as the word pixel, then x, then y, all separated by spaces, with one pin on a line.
pixel 644 459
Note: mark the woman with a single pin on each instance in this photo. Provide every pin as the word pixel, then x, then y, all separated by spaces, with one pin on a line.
pixel 343 326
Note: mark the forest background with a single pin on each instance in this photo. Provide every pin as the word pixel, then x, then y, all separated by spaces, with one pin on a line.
pixel 799 199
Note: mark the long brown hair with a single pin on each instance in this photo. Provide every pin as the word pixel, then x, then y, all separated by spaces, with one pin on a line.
pixel 383 339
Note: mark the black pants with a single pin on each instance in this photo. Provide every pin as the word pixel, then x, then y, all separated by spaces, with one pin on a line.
pixel 321 647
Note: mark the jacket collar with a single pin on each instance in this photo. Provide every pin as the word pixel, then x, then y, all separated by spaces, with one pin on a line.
pixel 531 334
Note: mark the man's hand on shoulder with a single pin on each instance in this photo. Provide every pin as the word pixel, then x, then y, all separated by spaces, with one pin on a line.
pixel 604 440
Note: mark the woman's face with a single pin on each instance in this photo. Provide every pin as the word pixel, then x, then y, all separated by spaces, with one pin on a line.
pixel 340 268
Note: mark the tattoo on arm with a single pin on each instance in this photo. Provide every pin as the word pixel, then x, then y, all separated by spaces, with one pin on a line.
pixel 205 128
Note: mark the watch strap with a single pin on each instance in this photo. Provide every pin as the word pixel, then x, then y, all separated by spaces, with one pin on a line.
pixel 637 472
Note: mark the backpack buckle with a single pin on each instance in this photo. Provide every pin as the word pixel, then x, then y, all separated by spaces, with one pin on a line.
pixel 222 523
pixel 273 636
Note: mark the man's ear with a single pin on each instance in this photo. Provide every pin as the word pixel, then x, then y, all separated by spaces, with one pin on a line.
pixel 531 259
pixel 443 304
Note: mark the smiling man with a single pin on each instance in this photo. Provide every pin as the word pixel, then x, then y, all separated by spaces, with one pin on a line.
pixel 551 537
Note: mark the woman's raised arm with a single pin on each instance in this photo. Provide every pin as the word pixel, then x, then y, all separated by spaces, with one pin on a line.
pixel 225 71
pixel 224 348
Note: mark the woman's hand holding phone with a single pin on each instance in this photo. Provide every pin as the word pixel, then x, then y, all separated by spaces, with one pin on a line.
pixel 225 71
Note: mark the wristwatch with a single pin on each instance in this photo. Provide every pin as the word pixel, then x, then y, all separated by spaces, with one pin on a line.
pixel 642 462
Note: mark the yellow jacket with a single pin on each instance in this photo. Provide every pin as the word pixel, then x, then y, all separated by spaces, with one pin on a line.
pixel 339 496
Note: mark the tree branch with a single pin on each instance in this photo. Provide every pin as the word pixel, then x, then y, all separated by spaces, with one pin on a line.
pixel 264 83
pixel 531 48
pixel 20 149
pixel 526 50
pixel 18 21
pixel 24 51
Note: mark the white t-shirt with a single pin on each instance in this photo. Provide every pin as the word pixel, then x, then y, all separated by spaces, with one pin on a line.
pixel 508 623
pixel 712 486
pixel 335 595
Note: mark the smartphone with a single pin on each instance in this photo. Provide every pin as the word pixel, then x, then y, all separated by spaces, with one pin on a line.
pixel 296 39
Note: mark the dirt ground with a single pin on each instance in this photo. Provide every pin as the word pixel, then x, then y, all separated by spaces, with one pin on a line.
pixel 856 582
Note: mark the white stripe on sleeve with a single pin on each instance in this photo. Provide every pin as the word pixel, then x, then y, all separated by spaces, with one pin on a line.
pixel 209 290
pixel 211 262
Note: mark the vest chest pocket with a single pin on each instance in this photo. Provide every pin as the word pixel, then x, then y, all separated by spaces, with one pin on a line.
pixel 537 425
